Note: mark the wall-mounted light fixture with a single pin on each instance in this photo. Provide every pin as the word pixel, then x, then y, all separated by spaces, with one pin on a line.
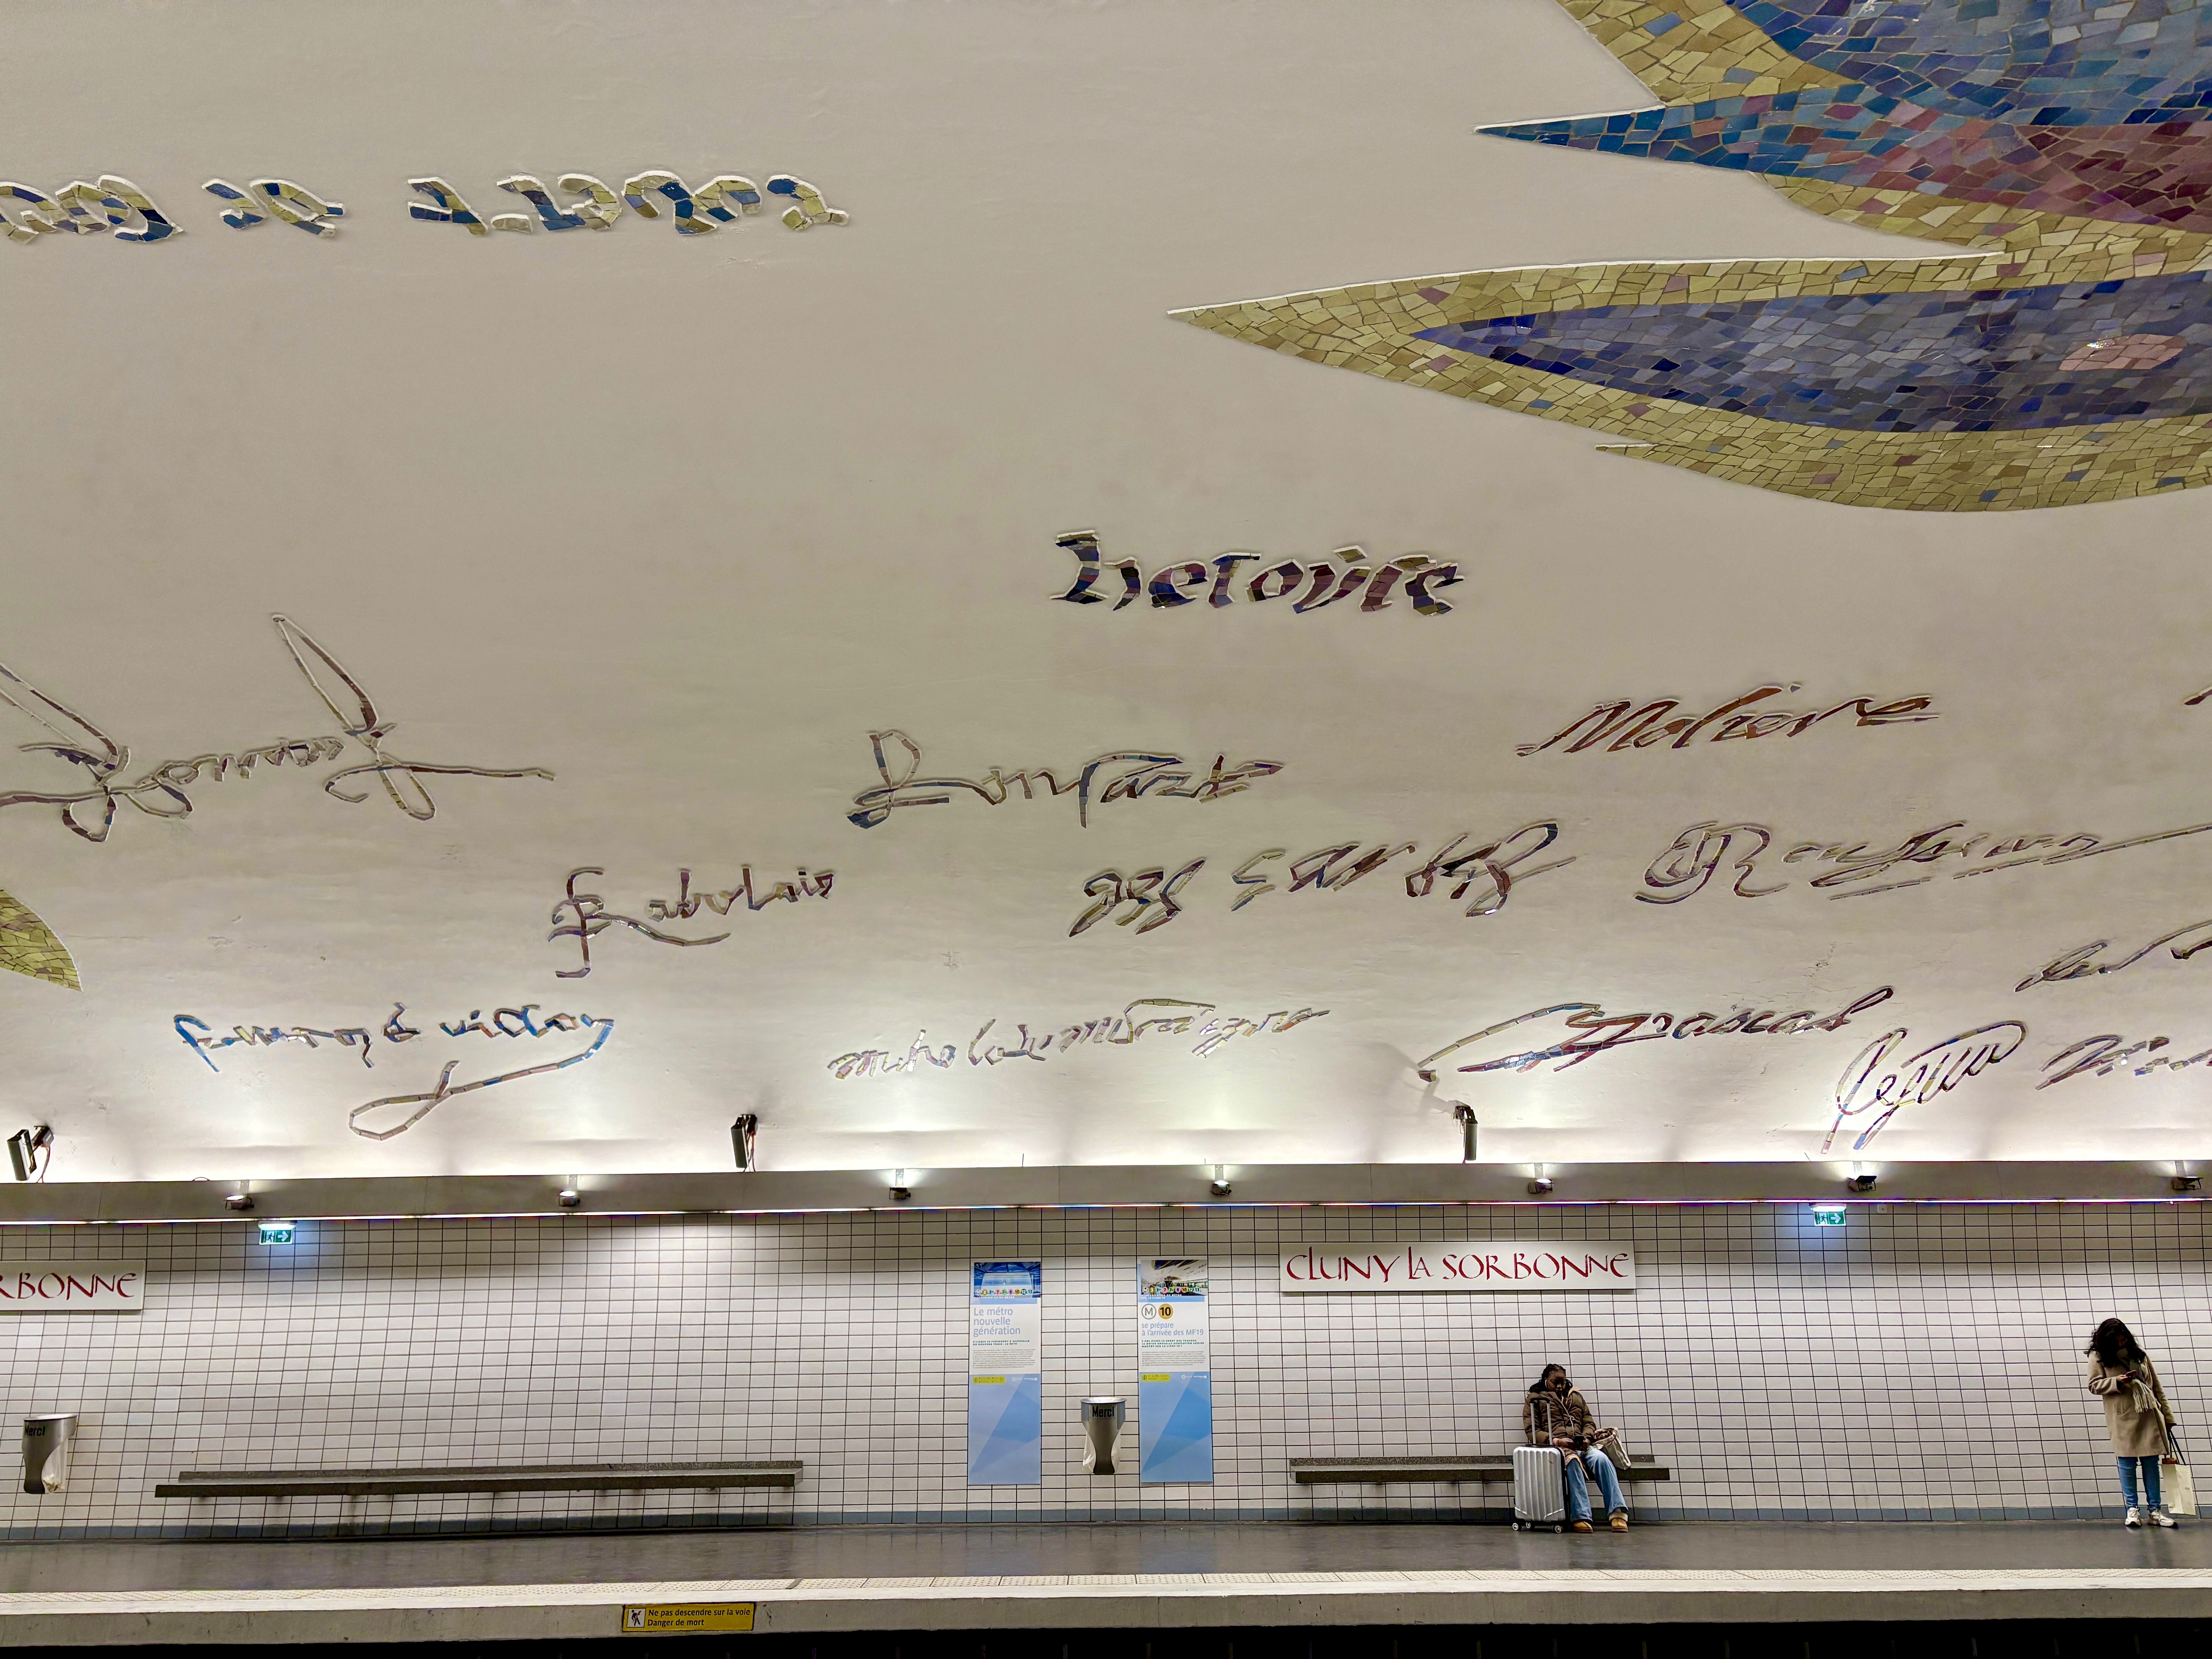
pixel 276 1232
pixel 2184 1181
pixel 899 1190
pixel 1539 1182
pixel 1465 1114
pixel 237 1199
pixel 1219 1185
pixel 741 1140
pixel 1828 1215
pixel 1860 1182
pixel 30 1151
pixel 570 1198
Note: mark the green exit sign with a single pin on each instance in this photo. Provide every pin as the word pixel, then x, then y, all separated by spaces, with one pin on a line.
pixel 1828 1215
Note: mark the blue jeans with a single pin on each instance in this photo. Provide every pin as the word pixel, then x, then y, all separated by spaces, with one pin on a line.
pixel 2127 1480
pixel 1609 1485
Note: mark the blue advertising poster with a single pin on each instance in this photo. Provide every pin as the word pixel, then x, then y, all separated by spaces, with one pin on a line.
pixel 1006 1373
pixel 1175 1371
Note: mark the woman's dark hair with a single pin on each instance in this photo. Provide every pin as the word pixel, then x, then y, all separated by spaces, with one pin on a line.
pixel 1537 1387
pixel 2114 1344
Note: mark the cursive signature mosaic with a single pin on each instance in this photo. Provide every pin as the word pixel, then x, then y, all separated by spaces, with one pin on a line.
pixel 1120 774
pixel 584 916
pixel 159 790
pixel 2109 1052
pixel 1167 1017
pixel 1487 872
pixel 1222 581
pixel 374 1120
pixel 116 207
pixel 723 200
pixel 1596 1032
pixel 1688 866
pixel 2081 962
pixel 1626 725
pixel 1872 1081
pixel 29 947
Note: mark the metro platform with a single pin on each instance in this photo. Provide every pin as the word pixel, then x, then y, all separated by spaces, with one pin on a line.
pixel 1125 1577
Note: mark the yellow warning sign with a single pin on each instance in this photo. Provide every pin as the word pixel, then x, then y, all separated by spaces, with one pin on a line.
pixel 683 1618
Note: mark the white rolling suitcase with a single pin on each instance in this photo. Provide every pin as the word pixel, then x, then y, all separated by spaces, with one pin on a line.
pixel 1540 1489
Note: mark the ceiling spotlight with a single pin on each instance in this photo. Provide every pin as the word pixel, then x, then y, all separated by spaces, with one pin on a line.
pixel 570 1198
pixel 1465 1114
pixel 30 1150
pixel 1859 1183
pixel 1219 1185
pixel 899 1190
pixel 741 1140
pixel 1539 1186
pixel 2186 1183
pixel 241 1199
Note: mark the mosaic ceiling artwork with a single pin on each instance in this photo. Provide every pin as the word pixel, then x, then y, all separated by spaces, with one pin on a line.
pixel 831 673
pixel 2068 145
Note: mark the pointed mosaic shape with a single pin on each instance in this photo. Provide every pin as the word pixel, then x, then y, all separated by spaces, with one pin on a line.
pixel 1942 418
pixel 28 945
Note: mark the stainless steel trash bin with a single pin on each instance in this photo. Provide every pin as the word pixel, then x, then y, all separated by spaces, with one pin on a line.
pixel 1102 1417
pixel 46 1450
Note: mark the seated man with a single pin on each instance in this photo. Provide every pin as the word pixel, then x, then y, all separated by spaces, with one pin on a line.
pixel 1556 1415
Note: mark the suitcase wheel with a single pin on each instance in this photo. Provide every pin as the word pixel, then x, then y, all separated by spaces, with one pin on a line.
pixel 1558 1527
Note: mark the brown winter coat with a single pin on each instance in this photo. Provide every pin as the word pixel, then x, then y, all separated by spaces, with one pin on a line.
pixel 1543 1415
pixel 2135 1430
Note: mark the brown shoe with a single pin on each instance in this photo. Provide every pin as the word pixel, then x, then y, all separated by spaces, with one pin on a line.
pixel 1581 1526
pixel 1620 1522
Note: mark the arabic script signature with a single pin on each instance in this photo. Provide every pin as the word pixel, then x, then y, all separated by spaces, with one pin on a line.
pixel 159 791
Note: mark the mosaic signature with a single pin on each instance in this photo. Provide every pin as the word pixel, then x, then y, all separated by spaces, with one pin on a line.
pixel 522 1021
pixel 2102 1055
pixel 1918 1077
pixel 1129 774
pixel 512 1021
pixel 1683 869
pixel 159 792
pixel 584 916
pixel 2082 963
pixel 113 205
pixel 1220 581
pixel 720 201
pixel 1596 1032
pixel 1624 725
pixel 1165 1016
pixel 1487 872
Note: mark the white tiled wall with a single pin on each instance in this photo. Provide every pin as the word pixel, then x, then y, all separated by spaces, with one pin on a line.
pixel 1920 1363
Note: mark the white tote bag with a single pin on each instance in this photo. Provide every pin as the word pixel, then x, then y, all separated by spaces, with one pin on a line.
pixel 2177 1484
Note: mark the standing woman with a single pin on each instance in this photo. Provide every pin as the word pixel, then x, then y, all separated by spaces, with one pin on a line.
pixel 2137 1416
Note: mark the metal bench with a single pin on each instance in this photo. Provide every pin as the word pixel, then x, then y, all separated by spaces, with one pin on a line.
pixel 1347 1471
pixel 466 1477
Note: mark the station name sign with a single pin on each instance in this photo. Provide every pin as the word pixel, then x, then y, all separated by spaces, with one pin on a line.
pixel 46 1287
pixel 1547 1264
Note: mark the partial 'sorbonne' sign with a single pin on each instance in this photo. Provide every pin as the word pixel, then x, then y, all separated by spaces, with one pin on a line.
pixel 1546 1265
pixel 45 1287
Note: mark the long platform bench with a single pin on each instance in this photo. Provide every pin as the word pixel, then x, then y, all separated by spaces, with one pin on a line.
pixel 1369 1471
pixel 466 1477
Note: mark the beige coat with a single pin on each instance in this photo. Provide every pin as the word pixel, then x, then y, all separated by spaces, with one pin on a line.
pixel 2136 1431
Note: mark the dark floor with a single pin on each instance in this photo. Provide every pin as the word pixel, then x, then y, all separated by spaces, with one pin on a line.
pixel 907 1551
